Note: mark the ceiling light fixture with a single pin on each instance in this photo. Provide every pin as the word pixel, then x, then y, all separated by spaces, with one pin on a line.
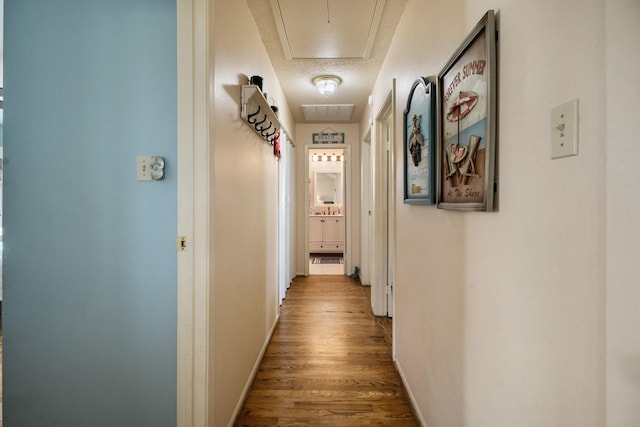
pixel 327 85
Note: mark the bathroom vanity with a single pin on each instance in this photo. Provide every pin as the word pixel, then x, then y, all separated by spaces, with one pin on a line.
pixel 326 209
pixel 326 234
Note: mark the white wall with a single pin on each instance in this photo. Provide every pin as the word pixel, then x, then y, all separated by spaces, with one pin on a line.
pixel 245 213
pixel 500 317
pixel 304 134
pixel 623 210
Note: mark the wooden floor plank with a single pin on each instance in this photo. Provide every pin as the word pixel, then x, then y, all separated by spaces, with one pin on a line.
pixel 328 363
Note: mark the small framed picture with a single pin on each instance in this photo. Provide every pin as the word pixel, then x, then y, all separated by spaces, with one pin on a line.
pixel 467 94
pixel 419 144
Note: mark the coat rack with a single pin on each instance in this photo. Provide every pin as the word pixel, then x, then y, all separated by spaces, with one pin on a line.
pixel 257 113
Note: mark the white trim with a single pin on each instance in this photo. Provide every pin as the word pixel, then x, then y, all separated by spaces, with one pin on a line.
pixel 254 372
pixel 283 229
pixel 379 218
pixel 194 20
pixel 366 208
pixel 291 210
pixel 348 207
pixel 391 222
pixel 305 209
pixel 348 213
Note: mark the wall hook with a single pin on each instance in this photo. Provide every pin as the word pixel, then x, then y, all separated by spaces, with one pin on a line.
pixel 275 129
pixel 251 116
pixel 262 129
pixel 265 132
pixel 256 123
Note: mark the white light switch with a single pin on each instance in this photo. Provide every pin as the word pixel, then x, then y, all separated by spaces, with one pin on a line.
pixel 143 168
pixel 564 130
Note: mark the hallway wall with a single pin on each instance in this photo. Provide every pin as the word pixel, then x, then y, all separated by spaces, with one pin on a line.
pixel 500 317
pixel 89 316
pixel 244 195
pixel 623 213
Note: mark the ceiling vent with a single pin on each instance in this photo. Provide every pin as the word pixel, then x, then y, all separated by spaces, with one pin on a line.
pixel 328 112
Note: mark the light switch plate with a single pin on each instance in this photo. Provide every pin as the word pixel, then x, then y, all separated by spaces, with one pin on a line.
pixel 564 130
pixel 143 168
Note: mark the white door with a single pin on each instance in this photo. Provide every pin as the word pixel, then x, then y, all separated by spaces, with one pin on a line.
pixel 283 229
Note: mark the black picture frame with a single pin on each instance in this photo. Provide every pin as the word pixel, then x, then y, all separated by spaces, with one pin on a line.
pixel 419 143
pixel 467 123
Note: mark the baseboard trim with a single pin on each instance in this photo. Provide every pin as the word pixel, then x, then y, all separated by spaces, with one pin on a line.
pixel 414 404
pixel 252 377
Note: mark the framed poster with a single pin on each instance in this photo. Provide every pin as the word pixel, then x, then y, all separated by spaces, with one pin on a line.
pixel 467 122
pixel 419 144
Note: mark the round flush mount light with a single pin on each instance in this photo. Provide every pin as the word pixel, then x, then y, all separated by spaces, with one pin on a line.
pixel 327 85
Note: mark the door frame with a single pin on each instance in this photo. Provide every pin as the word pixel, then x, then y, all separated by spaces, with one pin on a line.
pixel 366 208
pixel 391 214
pixel 379 241
pixel 285 214
pixel 195 78
pixel 348 205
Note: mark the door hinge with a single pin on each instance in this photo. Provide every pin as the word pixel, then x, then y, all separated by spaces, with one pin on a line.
pixel 181 243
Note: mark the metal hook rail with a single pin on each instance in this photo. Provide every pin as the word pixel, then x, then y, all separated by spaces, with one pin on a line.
pixel 257 113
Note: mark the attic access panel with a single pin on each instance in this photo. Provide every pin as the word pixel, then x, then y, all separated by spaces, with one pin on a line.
pixel 327 29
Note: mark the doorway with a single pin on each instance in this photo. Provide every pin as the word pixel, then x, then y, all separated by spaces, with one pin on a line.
pixel 307 203
pixel 383 229
pixel 327 207
pixel 383 236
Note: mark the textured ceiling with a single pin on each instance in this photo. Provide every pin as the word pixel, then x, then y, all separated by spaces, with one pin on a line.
pixel 327 28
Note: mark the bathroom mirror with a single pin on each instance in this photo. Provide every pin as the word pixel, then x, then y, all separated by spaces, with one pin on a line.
pixel 328 188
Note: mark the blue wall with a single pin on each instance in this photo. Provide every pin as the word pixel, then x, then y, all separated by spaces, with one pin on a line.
pixel 90 258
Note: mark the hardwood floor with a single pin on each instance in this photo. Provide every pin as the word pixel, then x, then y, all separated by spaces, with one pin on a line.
pixel 327 364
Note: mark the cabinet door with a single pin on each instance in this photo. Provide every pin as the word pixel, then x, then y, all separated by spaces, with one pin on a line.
pixel 330 230
pixel 340 230
pixel 315 229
